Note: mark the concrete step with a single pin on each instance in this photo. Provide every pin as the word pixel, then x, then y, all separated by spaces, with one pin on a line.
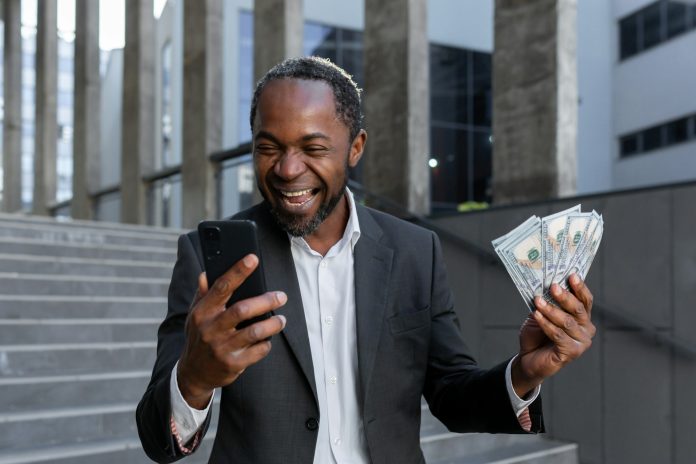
pixel 66 426
pixel 79 250
pixel 22 394
pixel 125 451
pixel 430 425
pixel 26 331
pixel 115 421
pixel 66 265
pixel 12 283
pixel 81 306
pixel 96 226
pixel 75 358
pixel 58 232
pixel 479 448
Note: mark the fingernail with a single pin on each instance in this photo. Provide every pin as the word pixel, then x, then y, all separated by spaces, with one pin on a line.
pixel 281 297
pixel 282 319
pixel 249 260
pixel 574 279
pixel 555 289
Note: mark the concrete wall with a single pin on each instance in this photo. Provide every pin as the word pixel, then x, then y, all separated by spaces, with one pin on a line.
pixel 628 399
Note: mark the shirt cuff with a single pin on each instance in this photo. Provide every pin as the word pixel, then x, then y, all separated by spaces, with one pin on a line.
pixel 185 419
pixel 519 405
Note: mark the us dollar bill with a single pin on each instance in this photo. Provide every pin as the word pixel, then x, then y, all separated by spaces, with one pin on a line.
pixel 553 228
pixel 540 252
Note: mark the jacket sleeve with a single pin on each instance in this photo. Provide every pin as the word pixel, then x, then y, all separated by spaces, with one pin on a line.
pixel 154 410
pixel 463 396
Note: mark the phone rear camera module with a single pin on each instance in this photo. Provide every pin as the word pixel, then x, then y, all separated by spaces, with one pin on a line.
pixel 212 234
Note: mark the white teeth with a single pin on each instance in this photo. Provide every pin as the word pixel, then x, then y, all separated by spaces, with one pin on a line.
pixel 296 194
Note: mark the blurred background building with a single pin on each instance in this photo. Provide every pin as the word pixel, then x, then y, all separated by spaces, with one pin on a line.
pixel 111 112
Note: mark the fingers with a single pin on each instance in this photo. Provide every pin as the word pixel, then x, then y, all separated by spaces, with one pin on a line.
pixel 564 323
pixel 582 292
pixel 570 303
pixel 256 333
pixel 214 300
pixel 566 348
pixel 250 308
pixel 202 289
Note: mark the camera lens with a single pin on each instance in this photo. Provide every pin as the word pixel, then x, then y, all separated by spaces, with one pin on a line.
pixel 212 234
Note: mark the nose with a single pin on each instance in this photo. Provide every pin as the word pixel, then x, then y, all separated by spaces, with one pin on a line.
pixel 290 165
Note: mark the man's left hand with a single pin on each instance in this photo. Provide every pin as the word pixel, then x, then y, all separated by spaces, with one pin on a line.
pixel 553 335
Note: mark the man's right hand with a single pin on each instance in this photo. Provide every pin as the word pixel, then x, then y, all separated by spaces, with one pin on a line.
pixel 216 353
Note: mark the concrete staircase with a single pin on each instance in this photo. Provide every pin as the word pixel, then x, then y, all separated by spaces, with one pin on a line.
pixel 80 303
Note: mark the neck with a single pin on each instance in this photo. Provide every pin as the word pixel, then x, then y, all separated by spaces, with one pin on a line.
pixel 331 230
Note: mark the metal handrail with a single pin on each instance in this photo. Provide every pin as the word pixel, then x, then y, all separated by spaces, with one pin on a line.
pixel 648 330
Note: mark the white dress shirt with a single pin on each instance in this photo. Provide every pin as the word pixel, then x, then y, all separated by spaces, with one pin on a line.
pixel 327 286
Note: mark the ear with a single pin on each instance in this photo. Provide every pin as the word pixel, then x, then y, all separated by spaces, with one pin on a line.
pixel 356 148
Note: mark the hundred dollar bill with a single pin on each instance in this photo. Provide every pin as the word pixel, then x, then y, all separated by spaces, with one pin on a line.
pixel 524 253
pixel 552 230
pixel 583 251
pixel 542 251
pixel 582 265
pixel 576 228
pixel 500 245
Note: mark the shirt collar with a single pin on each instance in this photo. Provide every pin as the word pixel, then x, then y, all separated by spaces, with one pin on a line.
pixel 350 235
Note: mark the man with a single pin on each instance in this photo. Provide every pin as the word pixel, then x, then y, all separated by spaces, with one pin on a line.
pixel 364 320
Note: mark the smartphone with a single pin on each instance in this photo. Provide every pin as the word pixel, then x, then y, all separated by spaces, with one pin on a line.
pixel 223 244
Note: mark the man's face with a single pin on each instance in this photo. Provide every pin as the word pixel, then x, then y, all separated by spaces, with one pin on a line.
pixel 301 153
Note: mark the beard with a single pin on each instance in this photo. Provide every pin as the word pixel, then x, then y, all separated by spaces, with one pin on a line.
pixel 299 226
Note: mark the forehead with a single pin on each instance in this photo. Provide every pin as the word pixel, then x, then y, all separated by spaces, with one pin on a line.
pixel 296 100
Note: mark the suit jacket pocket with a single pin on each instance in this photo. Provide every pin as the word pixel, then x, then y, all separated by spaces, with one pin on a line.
pixel 404 322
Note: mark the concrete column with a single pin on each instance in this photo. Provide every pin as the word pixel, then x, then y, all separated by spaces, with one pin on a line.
pixel 534 100
pixel 202 118
pixel 87 108
pixel 138 118
pixel 397 102
pixel 46 123
pixel 278 29
pixel 12 118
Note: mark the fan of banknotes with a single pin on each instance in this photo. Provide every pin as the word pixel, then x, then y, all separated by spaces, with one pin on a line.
pixel 543 251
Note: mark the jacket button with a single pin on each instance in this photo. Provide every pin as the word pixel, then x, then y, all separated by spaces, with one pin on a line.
pixel 312 424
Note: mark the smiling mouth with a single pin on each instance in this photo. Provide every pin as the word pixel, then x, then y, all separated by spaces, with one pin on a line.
pixel 297 197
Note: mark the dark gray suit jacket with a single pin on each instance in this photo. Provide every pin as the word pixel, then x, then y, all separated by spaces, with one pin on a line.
pixel 409 345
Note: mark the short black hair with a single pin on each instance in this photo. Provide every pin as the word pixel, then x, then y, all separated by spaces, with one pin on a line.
pixel 345 90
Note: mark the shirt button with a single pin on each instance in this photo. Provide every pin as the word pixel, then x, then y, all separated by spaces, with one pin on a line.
pixel 337 441
pixel 328 320
pixel 312 424
pixel 323 264
pixel 333 379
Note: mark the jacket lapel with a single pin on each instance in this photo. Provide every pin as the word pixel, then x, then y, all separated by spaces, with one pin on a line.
pixel 373 264
pixel 279 271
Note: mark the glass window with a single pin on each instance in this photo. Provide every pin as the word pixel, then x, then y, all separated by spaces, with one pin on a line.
pixel 450 174
pixel 482 166
pixel 482 95
pixel 652 25
pixel 629 36
pixel 676 18
pixel 652 138
pixel 677 131
pixel 449 89
pixel 629 145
